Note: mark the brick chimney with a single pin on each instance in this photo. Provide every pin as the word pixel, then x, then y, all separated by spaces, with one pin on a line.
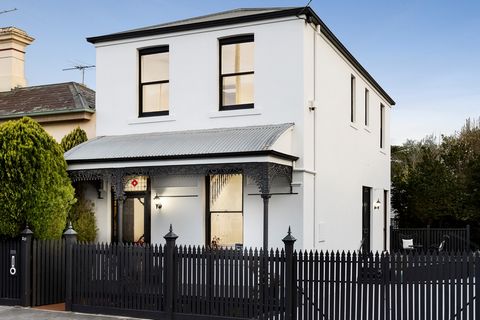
pixel 13 42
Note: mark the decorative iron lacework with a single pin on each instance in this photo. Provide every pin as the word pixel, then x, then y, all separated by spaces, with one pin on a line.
pixel 263 173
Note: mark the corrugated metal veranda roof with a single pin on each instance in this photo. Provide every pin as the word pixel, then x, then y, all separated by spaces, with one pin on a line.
pixel 180 144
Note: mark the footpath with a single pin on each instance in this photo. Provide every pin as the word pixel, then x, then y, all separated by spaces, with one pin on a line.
pixel 19 313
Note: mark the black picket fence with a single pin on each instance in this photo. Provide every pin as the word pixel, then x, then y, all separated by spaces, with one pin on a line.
pixel 181 282
pixel 430 239
pixel 169 281
pixel 205 282
pixel 388 286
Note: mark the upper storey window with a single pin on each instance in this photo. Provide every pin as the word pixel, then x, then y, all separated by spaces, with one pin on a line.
pixel 236 72
pixel 352 98
pixel 154 81
pixel 382 126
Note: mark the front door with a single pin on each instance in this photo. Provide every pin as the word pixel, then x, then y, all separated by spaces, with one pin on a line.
pixel 366 207
pixel 134 220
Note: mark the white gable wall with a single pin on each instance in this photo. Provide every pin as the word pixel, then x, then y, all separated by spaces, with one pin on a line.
pixel 347 155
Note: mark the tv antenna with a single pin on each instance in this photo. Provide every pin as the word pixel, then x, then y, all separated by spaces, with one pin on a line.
pixel 10 10
pixel 81 68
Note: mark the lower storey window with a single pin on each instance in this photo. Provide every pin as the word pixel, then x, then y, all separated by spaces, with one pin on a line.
pixel 237 90
pixel 225 215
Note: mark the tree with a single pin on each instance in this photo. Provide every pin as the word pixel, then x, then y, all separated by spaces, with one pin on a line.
pixel 439 184
pixel 81 214
pixel 74 138
pixel 405 162
pixel 35 188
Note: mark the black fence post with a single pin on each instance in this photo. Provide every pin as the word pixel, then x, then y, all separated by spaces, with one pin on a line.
pixel 26 267
pixel 170 272
pixel 70 237
pixel 467 240
pixel 290 280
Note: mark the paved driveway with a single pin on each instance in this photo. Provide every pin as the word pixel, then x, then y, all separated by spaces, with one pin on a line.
pixel 18 313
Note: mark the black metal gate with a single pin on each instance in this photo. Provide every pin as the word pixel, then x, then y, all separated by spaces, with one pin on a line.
pixel 48 272
pixel 10 276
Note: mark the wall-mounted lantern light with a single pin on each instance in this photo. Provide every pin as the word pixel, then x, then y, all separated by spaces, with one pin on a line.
pixel 376 205
pixel 156 200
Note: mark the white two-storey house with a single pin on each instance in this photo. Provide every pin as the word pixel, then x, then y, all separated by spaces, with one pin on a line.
pixel 233 127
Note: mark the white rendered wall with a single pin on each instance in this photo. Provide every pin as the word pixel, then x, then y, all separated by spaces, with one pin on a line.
pixel 347 155
pixel 194 84
pixel 284 211
pixel 183 206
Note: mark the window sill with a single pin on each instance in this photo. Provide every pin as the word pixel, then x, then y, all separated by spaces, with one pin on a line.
pixel 151 119
pixel 367 129
pixel 383 151
pixel 352 125
pixel 235 113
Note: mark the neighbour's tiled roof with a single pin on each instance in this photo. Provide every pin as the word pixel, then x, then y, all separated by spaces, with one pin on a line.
pixel 180 144
pixel 46 99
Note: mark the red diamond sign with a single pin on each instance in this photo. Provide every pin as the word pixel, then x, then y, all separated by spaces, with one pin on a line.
pixel 134 182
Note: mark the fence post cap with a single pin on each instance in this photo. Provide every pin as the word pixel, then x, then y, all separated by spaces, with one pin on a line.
pixel 27 231
pixel 70 231
pixel 289 238
pixel 170 235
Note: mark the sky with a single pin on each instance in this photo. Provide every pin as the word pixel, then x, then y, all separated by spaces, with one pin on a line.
pixel 424 53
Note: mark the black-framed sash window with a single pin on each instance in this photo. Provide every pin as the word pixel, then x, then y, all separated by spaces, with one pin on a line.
pixel 237 72
pixel 154 86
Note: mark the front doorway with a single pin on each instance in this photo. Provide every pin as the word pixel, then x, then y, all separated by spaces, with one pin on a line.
pixel 136 212
pixel 224 210
pixel 366 208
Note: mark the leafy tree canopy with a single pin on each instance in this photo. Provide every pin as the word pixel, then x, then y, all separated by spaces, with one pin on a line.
pixel 73 139
pixel 438 182
pixel 34 188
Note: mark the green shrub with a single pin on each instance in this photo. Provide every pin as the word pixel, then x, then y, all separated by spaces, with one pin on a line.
pixel 34 185
pixel 73 139
pixel 83 220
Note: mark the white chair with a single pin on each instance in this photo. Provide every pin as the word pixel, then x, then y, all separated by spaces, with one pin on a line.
pixel 407 244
